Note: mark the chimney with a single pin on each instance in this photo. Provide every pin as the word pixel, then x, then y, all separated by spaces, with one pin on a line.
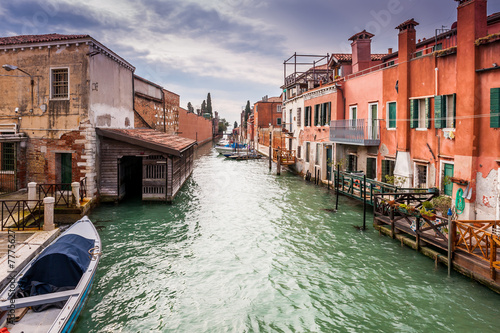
pixel 361 50
pixel 471 25
pixel 407 45
pixel 389 50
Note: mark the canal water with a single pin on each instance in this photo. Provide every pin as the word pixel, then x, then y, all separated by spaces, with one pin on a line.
pixel 244 250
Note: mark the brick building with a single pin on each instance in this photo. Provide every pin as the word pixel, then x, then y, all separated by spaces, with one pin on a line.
pixel 57 90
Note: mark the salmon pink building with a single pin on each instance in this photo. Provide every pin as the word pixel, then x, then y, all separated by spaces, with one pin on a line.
pixel 426 115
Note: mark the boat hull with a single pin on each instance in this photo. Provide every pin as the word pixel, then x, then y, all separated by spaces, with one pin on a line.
pixel 54 320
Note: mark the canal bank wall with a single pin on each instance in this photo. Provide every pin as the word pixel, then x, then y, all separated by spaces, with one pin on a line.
pixel 462 263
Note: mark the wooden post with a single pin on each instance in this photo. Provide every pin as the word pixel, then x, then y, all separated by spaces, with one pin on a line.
pixel 417 232
pixel 493 258
pixel 337 184
pixel 393 226
pixel 364 202
pixel 270 150
pixel 278 161
pixel 450 242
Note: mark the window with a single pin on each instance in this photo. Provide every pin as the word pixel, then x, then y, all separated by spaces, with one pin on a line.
pixel 324 118
pixel 387 169
pixel 371 167
pixel 419 54
pixel 352 115
pixel 307 116
pixel 373 121
pixel 316 114
pixel 59 83
pixel 299 111
pixel 278 108
pixel 278 121
pixel 8 156
pixel 308 150
pixel 420 175
pixel 495 107
pixel 390 63
pixel 445 111
pixel 352 163
pixel 318 151
pixel 391 115
pixel 299 151
pixel 437 47
pixel 420 113
pixel 448 171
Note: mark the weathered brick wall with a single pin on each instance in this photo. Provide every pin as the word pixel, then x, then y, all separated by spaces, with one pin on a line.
pixel 151 112
pixel 172 102
pixel 194 127
pixel 42 166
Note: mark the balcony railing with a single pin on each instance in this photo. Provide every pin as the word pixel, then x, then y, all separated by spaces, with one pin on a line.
pixel 362 132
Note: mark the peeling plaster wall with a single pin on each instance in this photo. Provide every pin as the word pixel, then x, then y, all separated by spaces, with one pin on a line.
pixel 487 197
pixel 111 93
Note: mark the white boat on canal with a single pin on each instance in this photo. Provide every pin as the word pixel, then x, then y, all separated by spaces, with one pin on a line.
pixel 51 290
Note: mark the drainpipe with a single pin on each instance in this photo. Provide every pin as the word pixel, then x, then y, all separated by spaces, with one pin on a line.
pixel 436 70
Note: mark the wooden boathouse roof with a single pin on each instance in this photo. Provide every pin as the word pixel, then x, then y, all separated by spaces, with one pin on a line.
pixel 148 138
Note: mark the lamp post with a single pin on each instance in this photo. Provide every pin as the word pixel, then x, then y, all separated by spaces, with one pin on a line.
pixel 9 68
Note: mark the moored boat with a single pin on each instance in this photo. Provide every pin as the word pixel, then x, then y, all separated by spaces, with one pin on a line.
pixel 233 147
pixel 51 290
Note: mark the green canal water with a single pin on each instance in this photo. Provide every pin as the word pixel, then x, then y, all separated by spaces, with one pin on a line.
pixel 244 250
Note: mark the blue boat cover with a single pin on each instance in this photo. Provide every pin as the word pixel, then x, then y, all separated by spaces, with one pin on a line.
pixel 62 264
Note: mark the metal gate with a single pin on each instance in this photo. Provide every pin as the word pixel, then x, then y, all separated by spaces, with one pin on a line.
pixel 154 178
pixel 8 174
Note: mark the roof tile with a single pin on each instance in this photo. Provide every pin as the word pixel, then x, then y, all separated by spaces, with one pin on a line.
pixel 24 39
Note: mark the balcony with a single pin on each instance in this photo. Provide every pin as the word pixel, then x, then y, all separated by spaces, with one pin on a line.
pixel 360 132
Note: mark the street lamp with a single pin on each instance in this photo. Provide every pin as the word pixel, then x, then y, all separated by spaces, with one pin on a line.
pixel 9 68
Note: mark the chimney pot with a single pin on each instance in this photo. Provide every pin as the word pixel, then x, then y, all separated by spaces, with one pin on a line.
pixel 389 50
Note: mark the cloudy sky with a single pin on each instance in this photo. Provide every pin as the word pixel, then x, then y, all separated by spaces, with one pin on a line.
pixel 233 49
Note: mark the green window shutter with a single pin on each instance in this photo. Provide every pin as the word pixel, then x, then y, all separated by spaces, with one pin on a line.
pixel 495 107
pixel 392 115
pixel 428 113
pixel 329 112
pixel 454 110
pixel 439 111
pixel 306 116
pixel 414 113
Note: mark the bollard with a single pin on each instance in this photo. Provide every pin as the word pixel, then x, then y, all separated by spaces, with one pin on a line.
pixel 31 194
pixel 48 214
pixel 75 188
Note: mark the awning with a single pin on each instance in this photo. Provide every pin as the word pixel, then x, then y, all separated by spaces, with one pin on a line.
pixel 148 138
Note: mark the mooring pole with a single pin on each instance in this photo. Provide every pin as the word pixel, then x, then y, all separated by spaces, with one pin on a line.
pixel 337 181
pixel 364 202
pixel 270 151
pixel 450 238
pixel 278 161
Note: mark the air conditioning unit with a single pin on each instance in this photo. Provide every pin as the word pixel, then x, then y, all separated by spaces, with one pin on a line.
pixel 8 129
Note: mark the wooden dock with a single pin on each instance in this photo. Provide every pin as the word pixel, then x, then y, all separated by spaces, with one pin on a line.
pixel 475 245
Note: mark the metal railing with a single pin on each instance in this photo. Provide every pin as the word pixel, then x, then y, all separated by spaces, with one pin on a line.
pixel 356 131
pixel 61 193
pixel 83 188
pixel 354 186
pixel 20 214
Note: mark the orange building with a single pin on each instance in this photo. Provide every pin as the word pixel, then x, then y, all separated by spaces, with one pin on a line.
pixel 424 115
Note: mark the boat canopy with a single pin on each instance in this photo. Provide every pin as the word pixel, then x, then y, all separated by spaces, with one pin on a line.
pixel 60 265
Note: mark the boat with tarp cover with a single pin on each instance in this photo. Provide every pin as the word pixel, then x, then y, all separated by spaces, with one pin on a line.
pixel 51 290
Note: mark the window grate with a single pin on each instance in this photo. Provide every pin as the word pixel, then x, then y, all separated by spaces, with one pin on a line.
pixel 60 83
pixel 8 156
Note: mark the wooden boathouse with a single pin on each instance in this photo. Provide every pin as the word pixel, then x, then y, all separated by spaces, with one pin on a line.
pixel 143 161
